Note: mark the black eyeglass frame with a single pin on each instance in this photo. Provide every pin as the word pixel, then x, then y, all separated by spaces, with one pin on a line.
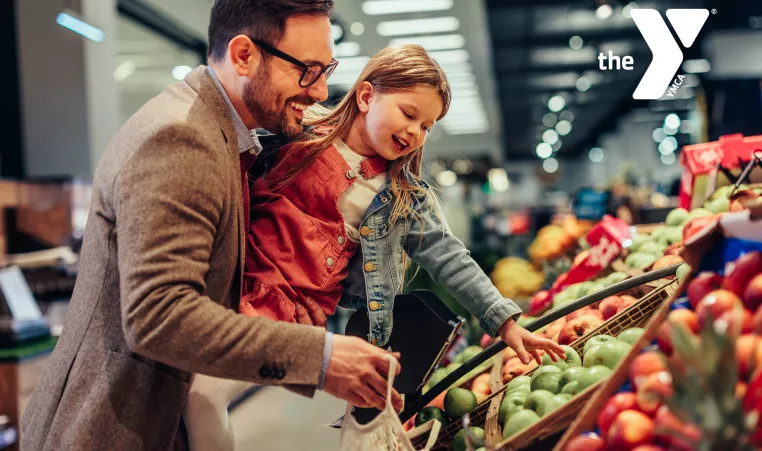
pixel 327 69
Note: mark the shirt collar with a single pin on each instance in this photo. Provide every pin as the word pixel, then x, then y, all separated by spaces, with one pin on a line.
pixel 247 139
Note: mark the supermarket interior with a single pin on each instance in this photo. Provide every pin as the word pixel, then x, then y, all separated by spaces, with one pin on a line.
pixel 599 167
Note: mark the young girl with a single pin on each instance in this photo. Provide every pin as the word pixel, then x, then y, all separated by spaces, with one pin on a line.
pixel 337 217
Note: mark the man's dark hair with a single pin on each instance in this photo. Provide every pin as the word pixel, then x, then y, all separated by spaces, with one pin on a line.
pixel 260 19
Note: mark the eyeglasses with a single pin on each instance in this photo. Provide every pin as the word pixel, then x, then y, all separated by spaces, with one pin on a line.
pixel 310 72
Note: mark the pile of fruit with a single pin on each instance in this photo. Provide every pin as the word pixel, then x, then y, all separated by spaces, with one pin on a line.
pixel 695 390
pixel 555 240
pixel 516 278
pixel 542 302
pixel 478 385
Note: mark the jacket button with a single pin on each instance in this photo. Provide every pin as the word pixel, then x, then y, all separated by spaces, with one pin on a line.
pixel 281 374
pixel 384 199
pixel 370 267
pixel 264 372
pixel 253 151
pixel 365 230
pixel 341 240
pixel 374 306
pixel 330 261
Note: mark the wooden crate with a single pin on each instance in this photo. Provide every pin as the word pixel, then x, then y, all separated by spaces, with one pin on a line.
pixel 486 413
pixel 587 419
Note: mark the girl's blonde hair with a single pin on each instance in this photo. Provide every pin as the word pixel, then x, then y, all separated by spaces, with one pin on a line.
pixel 396 68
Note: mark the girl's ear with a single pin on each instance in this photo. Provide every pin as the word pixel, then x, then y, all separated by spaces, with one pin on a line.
pixel 364 95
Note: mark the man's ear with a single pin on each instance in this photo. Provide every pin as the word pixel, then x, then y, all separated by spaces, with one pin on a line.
pixel 244 55
pixel 364 95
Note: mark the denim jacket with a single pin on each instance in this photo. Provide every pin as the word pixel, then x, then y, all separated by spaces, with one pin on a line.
pixel 375 273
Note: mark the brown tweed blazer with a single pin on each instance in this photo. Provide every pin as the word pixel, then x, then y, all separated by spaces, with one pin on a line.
pixel 160 277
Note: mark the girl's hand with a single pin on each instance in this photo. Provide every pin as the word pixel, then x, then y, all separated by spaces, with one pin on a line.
pixel 526 343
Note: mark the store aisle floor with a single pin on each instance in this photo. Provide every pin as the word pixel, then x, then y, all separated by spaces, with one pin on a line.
pixel 275 419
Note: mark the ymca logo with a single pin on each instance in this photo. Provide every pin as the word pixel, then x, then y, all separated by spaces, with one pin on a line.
pixel 667 56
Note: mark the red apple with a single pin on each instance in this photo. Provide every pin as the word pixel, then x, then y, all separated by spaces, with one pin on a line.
pixel 652 390
pixel 553 328
pixel 748 354
pixel 540 303
pixel 584 311
pixel 586 442
pixel 739 321
pixel 667 260
pixel 715 304
pixel 513 368
pixel 704 283
pixel 752 296
pixel 740 272
pixel 683 317
pixel 673 432
pixel 579 327
pixel 697 226
pixel 627 301
pixel 617 403
pixel 646 364
pixel 629 430
pixel 739 199
pixel 609 306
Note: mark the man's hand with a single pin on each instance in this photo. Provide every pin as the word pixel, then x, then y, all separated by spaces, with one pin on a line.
pixel 309 312
pixel 357 373
pixel 525 343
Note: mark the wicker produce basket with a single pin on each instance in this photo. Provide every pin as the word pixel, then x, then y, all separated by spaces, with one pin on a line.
pixel 486 414
pixel 587 419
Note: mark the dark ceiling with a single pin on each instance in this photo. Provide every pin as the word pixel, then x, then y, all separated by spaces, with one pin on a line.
pixel 533 61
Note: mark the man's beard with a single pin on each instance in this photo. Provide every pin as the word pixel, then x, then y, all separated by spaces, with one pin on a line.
pixel 262 102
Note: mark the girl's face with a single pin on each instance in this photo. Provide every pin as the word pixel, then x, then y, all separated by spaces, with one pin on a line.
pixel 395 124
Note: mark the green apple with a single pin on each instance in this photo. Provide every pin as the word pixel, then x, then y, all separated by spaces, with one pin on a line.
pixel 631 335
pixel 452 367
pixel 638 241
pixel 591 377
pixel 698 213
pixel 459 442
pixel 614 277
pixel 608 354
pixel 573 374
pixel 654 248
pixel 467 354
pixel 544 369
pixel 676 217
pixel 570 388
pixel 518 381
pixel 572 359
pixel 550 381
pixel 519 421
pixel 594 341
pixel 513 402
pixel 553 404
pixel 519 389
pixel 683 271
pixel 537 398
pixel 674 235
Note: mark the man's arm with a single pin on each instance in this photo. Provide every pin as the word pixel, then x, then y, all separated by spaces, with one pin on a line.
pixel 169 198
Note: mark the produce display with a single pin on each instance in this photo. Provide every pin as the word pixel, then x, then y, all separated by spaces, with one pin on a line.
pixel 516 278
pixel 700 386
pixel 555 240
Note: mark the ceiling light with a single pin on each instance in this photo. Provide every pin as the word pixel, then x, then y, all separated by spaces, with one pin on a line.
pixel 668 159
pixel 556 103
pixel 346 49
pixel 179 72
pixel 583 84
pixel 418 26
pixel 699 66
pixel 447 178
pixel 68 19
pixel 378 7
pixel 449 57
pixel 668 146
pixel 596 155
pixel 463 166
pixel 498 180
pixel 544 150
pixel 576 42
pixel 550 165
pixel 658 135
pixel 549 120
pixel 567 115
pixel 670 131
pixel 627 10
pixel 564 128
pixel 672 121
pixel 556 146
pixel 439 42
pixel 357 28
pixel 604 12
pixel 550 136
pixel 124 70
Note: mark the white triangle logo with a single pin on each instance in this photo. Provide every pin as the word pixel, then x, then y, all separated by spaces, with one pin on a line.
pixel 687 23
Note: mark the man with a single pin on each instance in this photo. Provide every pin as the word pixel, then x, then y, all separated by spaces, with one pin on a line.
pixel 160 269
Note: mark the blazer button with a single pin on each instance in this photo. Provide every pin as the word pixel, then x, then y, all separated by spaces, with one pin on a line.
pixel 373 306
pixel 341 240
pixel 264 372
pixel 365 230
pixel 330 261
pixel 281 374
pixel 370 267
